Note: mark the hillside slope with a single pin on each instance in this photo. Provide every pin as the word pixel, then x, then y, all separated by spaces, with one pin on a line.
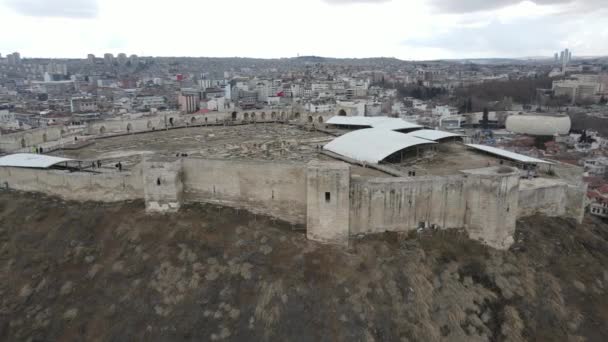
pixel 99 272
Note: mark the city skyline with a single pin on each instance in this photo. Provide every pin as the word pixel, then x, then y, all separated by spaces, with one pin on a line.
pixel 417 30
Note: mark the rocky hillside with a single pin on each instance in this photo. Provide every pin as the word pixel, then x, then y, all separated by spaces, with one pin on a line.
pixel 101 272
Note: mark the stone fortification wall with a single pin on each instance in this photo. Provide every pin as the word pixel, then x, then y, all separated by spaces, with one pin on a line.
pixel 78 186
pixel 402 204
pixel 485 204
pixel 323 195
pixel 549 200
pixel 20 140
pixel 173 119
pixel 492 204
pixel 273 188
pixel 575 201
pixel 551 197
pixel 165 120
pixel 163 187
pixel 328 186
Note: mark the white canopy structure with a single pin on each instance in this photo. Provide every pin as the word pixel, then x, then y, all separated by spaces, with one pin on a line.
pixel 384 122
pixel 433 135
pixel 39 161
pixel 372 145
pixel 508 155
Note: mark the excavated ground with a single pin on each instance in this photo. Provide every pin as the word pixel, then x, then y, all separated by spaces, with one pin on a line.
pixel 110 272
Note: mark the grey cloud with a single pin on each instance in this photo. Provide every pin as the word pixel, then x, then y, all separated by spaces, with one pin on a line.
pixel 467 6
pixel 348 2
pixel 515 39
pixel 55 8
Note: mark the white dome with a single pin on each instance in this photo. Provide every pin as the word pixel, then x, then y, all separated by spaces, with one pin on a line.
pixel 539 124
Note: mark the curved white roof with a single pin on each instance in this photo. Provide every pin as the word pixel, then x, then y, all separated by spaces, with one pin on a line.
pixel 395 124
pixel 507 154
pixel 432 134
pixel 39 161
pixel 372 145
pixel 374 122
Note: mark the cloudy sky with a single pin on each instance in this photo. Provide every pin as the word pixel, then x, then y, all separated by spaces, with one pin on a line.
pixel 406 29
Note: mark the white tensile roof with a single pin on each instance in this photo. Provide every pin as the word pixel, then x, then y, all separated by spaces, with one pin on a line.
pixel 39 161
pixel 432 134
pixel 372 145
pixel 373 121
pixel 507 154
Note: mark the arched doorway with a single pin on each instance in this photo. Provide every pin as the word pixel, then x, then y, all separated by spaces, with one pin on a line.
pixel 129 128
pixel 102 130
pixel 263 116
pixel 44 137
pixel 320 119
pixel 273 115
pixel 193 120
pixel 342 112
pixel 234 116
pixel 23 142
pixel 246 116
pixel 171 122
pixel 252 116
pixel 297 116
pixel 310 119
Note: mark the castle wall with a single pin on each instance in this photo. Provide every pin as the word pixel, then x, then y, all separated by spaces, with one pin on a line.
pixel 492 205
pixel 549 200
pixel 551 197
pixel 328 187
pixel 402 204
pixel 575 201
pixel 78 186
pixel 163 187
pixel 485 204
pixel 174 119
pixel 17 141
pixel 272 188
pixel 322 195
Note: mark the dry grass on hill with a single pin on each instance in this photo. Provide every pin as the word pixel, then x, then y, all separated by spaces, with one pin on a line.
pixel 100 272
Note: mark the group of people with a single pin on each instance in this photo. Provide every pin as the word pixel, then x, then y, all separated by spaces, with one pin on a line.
pixel 37 150
pixel 96 164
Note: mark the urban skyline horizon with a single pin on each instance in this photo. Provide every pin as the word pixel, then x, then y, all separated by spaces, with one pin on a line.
pixel 100 56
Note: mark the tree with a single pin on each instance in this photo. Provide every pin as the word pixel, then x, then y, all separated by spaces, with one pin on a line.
pixel 583 137
pixel 522 90
pixel 586 138
pixel 485 118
